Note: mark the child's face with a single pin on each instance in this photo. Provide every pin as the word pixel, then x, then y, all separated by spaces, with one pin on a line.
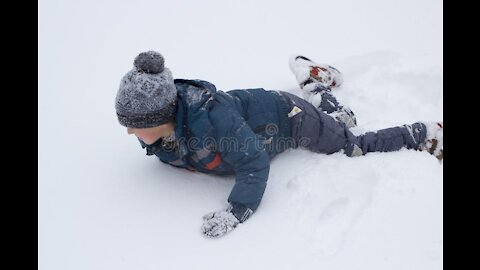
pixel 151 135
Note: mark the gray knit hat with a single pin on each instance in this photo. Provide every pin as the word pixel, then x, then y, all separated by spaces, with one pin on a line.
pixel 147 96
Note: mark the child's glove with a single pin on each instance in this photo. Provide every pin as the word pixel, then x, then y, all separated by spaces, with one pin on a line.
pixel 216 224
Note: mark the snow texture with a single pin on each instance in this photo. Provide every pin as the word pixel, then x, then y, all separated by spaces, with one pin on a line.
pixel 104 204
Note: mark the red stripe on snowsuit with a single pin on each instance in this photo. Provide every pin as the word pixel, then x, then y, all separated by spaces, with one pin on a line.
pixel 215 162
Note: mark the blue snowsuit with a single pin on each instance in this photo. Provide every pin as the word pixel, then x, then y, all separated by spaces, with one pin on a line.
pixel 240 131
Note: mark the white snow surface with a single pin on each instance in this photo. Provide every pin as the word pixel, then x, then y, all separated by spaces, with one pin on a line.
pixel 104 204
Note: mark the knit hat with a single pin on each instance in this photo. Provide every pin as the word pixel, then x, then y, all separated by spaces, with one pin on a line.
pixel 147 96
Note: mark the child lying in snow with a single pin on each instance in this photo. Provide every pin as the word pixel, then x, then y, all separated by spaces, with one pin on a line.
pixel 191 125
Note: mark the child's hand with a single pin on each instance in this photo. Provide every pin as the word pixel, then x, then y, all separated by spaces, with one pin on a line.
pixel 216 224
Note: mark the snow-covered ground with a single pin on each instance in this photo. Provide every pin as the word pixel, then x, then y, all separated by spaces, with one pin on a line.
pixel 104 204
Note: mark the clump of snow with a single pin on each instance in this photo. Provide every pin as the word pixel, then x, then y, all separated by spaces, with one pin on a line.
pixel 194 95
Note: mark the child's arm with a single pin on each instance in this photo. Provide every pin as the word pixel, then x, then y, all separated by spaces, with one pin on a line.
pixel 251 163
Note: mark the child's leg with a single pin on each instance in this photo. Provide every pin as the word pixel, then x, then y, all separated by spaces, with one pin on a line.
pixel 317 81
pixel 323 99
pixel 393 139
pixel 319 132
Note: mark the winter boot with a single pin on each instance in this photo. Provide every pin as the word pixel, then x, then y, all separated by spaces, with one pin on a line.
pixel 434 140
pixel 307 71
